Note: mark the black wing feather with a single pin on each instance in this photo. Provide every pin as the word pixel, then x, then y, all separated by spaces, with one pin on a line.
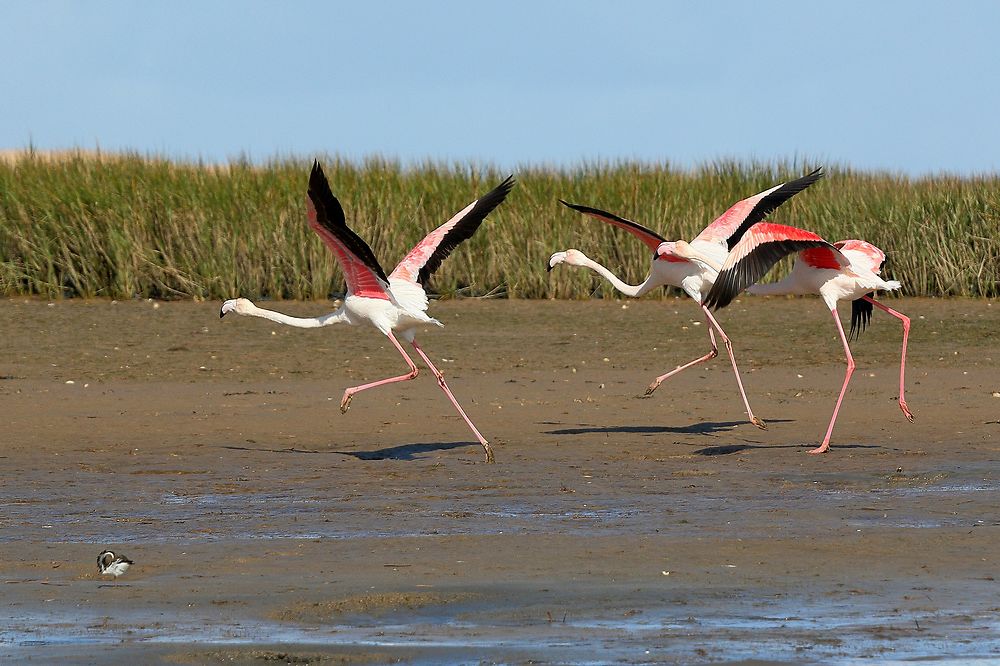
pixel 628 223
pixel 330 214
pixel 465 228
pixel 861 314
pixel 752 268
pixel 861 309
pixel 770 203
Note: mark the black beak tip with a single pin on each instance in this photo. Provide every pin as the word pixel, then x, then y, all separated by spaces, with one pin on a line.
pixel 221 314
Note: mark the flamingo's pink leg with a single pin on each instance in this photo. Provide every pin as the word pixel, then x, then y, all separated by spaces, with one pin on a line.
pixel 444 387
pixel 349 393
pixel 736 371
pixel 847 378
pixel 710 355
pixel 902 364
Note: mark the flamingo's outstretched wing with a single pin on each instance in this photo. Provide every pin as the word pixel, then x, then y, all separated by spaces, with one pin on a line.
pixel 647 236
pixel 731 225
pixel 760 249
pixel 362 271
pixel 421 262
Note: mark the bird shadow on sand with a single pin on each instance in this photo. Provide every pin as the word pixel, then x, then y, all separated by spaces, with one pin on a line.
pixel 260 449
pixel 728 449
pixel 406 451
pixel 401 452
pixel 700 428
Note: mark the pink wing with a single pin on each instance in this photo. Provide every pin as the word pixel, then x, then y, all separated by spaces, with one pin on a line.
pixel 873 257
pixel 421 262
pixel 760 249
pixel 647 236
pixel 362 271
pixel 730 226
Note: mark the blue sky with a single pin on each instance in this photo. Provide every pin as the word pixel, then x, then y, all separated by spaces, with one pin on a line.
pixel 912 87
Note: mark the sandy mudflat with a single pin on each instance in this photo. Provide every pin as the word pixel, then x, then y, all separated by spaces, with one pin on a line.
pixel 266 526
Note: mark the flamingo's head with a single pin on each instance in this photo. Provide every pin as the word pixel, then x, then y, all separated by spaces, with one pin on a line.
pixel 571 257
pixel 238 305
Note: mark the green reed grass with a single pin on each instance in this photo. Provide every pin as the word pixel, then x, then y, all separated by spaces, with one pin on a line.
pixel 124 226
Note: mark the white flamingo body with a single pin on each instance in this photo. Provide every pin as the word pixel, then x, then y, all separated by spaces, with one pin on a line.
pixel 691 266
pixel 394 303
pixel 846 270
pixel 859 277
pixel 701 273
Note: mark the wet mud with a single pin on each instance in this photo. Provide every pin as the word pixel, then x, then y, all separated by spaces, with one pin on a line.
pixel 266 526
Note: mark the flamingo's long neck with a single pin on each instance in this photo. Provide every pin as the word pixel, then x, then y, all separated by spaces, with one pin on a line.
pixel 299 322
pixel 628 289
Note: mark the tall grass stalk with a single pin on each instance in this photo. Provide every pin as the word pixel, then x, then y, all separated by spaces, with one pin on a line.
pixel 126 225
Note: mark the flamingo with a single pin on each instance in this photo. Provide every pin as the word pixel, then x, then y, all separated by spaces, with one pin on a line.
pixel 394 303
pixel 691 266
pixel 845 270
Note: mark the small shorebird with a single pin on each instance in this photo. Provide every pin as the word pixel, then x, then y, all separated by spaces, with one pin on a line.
pixel 847 270
pixel 110 564
pixel 692 266
pixel 393 302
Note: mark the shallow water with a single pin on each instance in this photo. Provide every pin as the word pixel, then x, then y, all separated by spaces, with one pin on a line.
pixel 740 628
pixel 786 631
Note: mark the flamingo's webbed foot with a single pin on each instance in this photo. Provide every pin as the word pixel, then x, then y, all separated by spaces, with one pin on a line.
pixel 489 452
pixel 758 422
pixel 345 404
pixel 906 411
pixel 822 448
pixel 652 387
